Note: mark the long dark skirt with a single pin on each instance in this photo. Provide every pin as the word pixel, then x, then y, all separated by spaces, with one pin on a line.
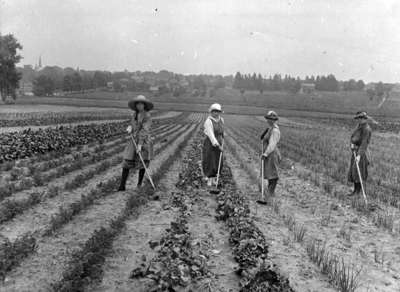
pixel 363 164
pixel 210 159
pixel 271 166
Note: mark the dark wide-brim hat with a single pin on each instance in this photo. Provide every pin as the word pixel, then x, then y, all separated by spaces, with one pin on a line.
pixel 148 105
pixel 271 115
pixel 361 115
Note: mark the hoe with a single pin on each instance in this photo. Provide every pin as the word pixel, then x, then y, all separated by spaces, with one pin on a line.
pixel 262 201
pixel 144 165
pixel 215 190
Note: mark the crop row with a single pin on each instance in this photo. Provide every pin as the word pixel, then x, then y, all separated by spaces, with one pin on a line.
pixel 249 246
pixel 86 264
pixel 326 158
pixel 22 178
pixel 105 189
pixel 16 251
pixel 382 215
pixel 27 143
pixel 43 119
pixel 385 125
pixel 12 207
pixel 52 159
pixel 320 241
pixel 179 261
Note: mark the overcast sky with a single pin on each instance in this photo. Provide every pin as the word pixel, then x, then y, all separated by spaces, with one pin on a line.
pixel 352 39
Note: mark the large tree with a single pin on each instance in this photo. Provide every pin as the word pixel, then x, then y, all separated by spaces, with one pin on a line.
pixel 9 57
pixel 43 86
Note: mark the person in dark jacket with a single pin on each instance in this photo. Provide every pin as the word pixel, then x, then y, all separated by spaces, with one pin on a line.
pixel 359 140
pixel 140 129
pixel 212 146
pixel 271 154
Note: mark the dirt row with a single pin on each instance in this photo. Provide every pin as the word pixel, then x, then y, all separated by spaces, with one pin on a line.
pixel 339 228
pixel 158 116
pixel 182 222
pixel 69 186
pixel 382 212
pixel 51 266
pixel 33 177
pixel 139 245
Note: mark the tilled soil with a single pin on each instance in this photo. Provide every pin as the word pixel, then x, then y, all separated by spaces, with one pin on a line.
pixel 39 271
pixel 289 257
pixel 182 239
pixel 132 245
pixel 216 237
pixel 345 234
pixel 36 219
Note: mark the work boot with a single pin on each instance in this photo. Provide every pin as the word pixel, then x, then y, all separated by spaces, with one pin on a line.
pixel 272 186
pixel 142 171
pixel 124 177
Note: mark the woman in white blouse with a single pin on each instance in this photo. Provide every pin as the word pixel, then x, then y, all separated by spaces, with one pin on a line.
pixel 271 154
pixel 212 147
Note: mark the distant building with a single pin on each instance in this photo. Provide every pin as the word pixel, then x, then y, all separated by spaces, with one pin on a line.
pixel 154 89
pixel 184 83
pixel 307 88
pixel 110 85
pixel 138 79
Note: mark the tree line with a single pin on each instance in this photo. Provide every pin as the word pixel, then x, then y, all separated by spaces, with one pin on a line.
pixel 289 83
pixel 9 57
pixel 53 78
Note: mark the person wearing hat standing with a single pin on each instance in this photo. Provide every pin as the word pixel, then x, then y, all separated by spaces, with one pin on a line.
pixel 271 154
pixel 140 130
pixel 359 142
pixel 212 146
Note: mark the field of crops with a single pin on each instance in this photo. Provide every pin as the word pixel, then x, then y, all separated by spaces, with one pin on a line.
pixel 63 226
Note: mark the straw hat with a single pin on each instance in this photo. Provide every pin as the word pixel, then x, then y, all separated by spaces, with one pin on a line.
pixel 215 107
pixel 271 115
pixel 148 105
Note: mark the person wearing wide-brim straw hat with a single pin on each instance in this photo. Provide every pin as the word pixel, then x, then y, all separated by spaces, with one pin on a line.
pixel 212 146
pixel 359 142
pixel 140 129
pixel 271 154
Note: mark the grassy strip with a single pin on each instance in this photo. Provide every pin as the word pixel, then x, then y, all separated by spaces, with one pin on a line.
pixel 86 264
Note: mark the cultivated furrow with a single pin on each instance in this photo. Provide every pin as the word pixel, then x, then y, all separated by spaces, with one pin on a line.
pixel 39 271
